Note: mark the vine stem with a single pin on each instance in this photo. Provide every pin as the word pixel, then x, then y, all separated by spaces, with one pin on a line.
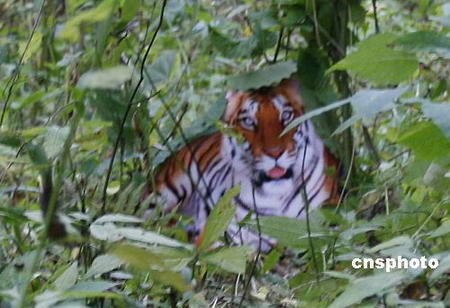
pixel 258 253
pixel 130 104
pixel 15 76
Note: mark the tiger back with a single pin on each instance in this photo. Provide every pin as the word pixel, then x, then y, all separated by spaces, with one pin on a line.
pixel 279 174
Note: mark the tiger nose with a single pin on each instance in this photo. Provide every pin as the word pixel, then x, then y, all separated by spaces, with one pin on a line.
pixel 274 151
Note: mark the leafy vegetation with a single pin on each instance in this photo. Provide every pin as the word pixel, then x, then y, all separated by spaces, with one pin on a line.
pixel 95 94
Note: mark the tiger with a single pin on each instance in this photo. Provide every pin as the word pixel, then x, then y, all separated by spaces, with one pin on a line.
pixel 279 174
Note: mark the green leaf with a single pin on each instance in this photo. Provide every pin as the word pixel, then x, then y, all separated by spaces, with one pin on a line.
pixel 138 257
pixel 68 278
pixel 424 41
pixel 110 78
pixel 110 232
pixel 90 294
pixel 253 45
pixel 289 231
pixel 442 269
pixel 129 9
pixel 231 259
pixel 71 29
pixel 220 217
pixel 440 114
pixel 441 230
pixel 403 240
pixel 162 67
pixel 33 46
pixel 313 113
pixel 151 262
pixel 367 103
pixel 10 139
pixel 360 288
pixel 376 62
pixel 54 139
pixel 117 218
pixel 271 260
pixel 103 264
pixel 94 285
pixel 173 279
pixel 426 140
pixel 264 77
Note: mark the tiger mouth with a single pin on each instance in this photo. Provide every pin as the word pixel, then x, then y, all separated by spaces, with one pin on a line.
pixel 264 178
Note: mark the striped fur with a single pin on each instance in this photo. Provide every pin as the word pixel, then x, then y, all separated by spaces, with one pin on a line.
pixel 274 171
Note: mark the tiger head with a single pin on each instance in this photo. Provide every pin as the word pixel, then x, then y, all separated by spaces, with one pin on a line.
pixel 260 116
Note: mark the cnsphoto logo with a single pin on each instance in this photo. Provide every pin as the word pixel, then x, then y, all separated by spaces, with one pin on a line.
pixel 395 263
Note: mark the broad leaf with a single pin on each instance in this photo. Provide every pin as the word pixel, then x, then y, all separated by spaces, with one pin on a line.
pixel 288 231
pixel 425 40
pixel 231 259
pixel 110 78
pixel 101 12
pixel 54 139
pixel 313 113
pixel 443 229
pixel 264 77
pixel 161 68
pixel 153 263
pixel 426 140
pixel 91 285
pixel 220 218
pixel 68 278
pixel 361 288
pixel 368 103
pixel 440 114
pixel 110 232
pixel 442 269
pixel 33 46
pixel 377 62
pixel 118 218
pixel 103 264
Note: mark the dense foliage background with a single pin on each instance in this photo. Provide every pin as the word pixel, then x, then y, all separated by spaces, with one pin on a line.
pixel 95 94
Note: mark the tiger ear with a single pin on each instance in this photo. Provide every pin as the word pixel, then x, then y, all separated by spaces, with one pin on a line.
pixel 291 88
pixel 234 99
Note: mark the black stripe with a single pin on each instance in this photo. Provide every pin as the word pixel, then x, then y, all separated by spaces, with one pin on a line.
pixel 204 154
pixel 216 175
pixel 317 192
pixel 172 188
pixel 297 191
pixel 242 204
pixel 226 174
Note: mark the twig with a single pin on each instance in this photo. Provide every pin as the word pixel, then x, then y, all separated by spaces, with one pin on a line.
pixel 15 76
pixel 277 50
pixel 370 145
pixel 316 25
pixel 347 178
pixel 130 104
pixel 258 253
pixel 308 225
pixel 375 16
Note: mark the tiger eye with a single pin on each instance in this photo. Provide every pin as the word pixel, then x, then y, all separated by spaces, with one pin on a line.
pixel 247 122
pixel 287 115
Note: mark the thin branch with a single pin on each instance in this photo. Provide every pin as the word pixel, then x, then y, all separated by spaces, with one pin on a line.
pixel 12 81
pixel 375 16
pixel 308 223
pixel 277 50
pixel 258 253
pixel 130 104
pixel 370 145
pixel 347 178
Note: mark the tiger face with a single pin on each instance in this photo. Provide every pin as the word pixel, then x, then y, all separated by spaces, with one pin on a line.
pixel 260 117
